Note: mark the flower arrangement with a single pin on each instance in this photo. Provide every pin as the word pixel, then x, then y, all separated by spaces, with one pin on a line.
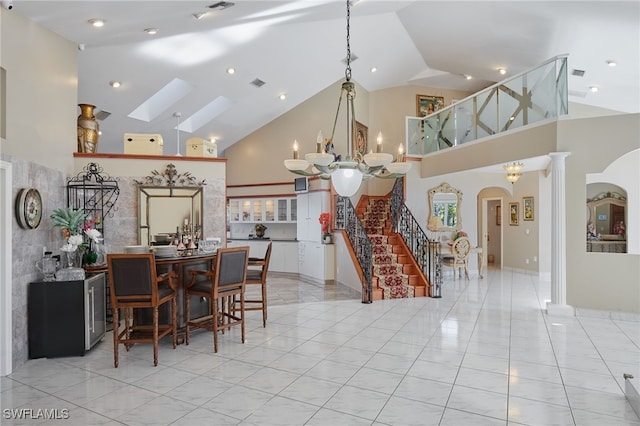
pixel 260 228
pixel 325 219
pixel 73 225
pixel 460 234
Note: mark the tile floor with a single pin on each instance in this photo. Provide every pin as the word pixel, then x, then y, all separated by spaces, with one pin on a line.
pixel 483 354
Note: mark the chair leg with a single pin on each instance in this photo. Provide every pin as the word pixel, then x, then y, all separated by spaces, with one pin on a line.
pixel 264 305
pixel 116 332
pixel 215 325
pixel 155 336
pixel 174 318
pixel 242 314
pixel 187 308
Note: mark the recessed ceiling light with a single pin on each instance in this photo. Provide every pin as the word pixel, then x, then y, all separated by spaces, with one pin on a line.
pixel 468 77
pixel 612 63
pixel 593 88
pixel 231 70
pixel 151 31
pixel 282 96
pixel 374 69
pixel 114 83
pixel 200 15
pixel 502 71
pixel 96 22
pixel 212 140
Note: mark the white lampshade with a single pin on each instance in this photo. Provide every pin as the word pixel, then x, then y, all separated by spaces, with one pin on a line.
pixel 399 168
pixel 295 164
pixel 346 181
pixel 375 159
pixel 320 158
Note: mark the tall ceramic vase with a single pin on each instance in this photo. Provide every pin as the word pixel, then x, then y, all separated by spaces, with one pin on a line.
pixel 87 129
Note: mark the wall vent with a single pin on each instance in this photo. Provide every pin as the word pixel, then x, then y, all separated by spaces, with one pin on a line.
pixel 101 115
pixel 221 5
pixel 578 73
pixel 258 83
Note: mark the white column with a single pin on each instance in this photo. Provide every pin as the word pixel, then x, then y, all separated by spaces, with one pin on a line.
pixel 558 304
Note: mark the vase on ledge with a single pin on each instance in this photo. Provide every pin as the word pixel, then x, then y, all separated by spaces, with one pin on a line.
pixel 87 129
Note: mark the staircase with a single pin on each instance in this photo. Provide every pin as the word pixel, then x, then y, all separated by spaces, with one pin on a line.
pixel 395 273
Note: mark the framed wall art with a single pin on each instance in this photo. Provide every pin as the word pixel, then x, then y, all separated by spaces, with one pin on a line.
pixel 426 105
pixel 513 213
pixel 527 208
pixel 362 138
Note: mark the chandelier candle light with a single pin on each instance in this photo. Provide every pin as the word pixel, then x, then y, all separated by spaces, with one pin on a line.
pixel 347 174
pixel 513 171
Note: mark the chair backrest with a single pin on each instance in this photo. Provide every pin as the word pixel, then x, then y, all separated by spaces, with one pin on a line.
pixel 461 248
pixel 265 267
pixel 231 268
pixel 132 276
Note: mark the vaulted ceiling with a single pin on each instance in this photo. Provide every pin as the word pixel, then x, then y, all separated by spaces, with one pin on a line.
pixel 297 48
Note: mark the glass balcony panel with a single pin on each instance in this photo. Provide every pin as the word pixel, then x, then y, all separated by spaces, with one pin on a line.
pixel 487 113
pixel 415 136
pixel 431 128
pixel 527 98
pixel 464 122
pixel 447 128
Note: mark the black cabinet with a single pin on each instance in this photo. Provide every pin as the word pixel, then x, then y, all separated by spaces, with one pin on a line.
pixel 65 317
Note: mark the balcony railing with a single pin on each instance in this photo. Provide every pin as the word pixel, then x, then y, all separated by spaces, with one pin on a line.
pixel 535 95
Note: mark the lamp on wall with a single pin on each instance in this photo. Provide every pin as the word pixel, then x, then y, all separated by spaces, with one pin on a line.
pixel 513 171
pixel 347 174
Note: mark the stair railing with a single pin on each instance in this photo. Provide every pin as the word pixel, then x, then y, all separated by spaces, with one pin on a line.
pixel 347 219
pixel 426 252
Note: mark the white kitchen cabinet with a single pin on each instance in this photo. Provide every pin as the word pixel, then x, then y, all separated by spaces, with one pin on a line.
pixel 316 260
pixel 284 257
pixel 262 210
pixel 310 205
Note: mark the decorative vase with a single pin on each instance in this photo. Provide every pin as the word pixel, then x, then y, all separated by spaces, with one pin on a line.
pixel 87 129
pixel 72 258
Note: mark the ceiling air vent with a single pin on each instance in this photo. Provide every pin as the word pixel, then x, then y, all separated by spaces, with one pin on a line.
pixel 101 115
pixel 221 5
pixel 578 73
pixel 258 83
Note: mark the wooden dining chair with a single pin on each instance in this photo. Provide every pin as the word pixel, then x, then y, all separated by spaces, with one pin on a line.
pixel 222 285
pixel 257 276
pixel 459 259
pixel 134 284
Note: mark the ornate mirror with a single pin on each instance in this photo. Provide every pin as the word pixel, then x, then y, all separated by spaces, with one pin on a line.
pixel 606 218
pixel 444 203
pixel 169 202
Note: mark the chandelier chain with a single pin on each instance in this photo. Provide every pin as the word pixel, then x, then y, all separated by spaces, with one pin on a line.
pixel 347 72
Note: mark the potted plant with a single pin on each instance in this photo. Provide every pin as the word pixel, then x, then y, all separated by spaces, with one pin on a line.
pixel 260 228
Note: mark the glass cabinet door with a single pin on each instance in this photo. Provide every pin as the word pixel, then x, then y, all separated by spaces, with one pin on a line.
pixel 246 211
pixel 294 209
pixel 269 210
pixel 234 210
pixel 282 211
pixel 257 211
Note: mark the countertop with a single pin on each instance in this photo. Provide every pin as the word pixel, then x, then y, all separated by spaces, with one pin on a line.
pixel 291 240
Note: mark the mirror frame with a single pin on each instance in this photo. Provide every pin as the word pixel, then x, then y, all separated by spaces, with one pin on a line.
pixel 446 189
pixel 146 193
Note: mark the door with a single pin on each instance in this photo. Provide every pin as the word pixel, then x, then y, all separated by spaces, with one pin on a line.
pixel 492 213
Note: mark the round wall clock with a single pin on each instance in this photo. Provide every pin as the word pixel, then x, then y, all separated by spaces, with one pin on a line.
pixel 29 208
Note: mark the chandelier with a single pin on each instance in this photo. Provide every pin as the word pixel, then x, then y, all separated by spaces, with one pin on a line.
pixel 347 174
pixel 513 171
